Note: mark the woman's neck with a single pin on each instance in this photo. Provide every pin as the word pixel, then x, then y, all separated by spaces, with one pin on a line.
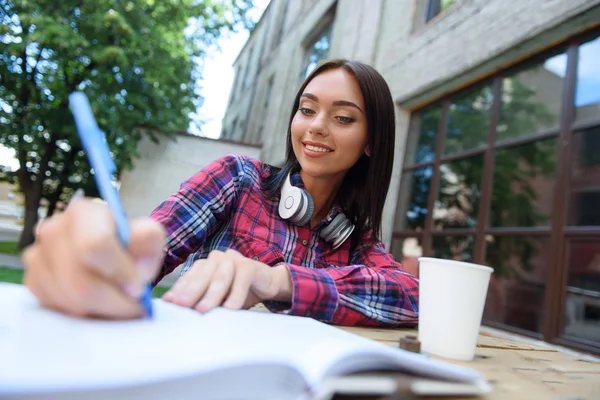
pixel 323 192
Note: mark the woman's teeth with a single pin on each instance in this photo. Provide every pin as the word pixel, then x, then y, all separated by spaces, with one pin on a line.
pixel 318 149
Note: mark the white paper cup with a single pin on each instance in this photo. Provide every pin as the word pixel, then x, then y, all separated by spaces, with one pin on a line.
pixel 451 299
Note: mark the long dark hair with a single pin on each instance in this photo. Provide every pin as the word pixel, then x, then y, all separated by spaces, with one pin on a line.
pixel 364 188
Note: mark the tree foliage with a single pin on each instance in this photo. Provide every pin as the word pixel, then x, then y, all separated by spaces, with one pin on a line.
pixel 137 60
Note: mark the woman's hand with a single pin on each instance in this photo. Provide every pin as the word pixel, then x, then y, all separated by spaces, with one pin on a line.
pixel 230 280
pixel 78 267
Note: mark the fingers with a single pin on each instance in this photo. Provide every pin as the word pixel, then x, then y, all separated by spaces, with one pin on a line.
pixel 220 284
pixel 146 247
pixel 73 287
pixel 37 276
pixel 77 265
pixel 95 244
pixel 221 279
pixel 78 293
pixel 239 289
pixel 190 288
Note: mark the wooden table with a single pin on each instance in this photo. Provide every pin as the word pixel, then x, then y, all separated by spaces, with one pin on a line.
pixel 517 370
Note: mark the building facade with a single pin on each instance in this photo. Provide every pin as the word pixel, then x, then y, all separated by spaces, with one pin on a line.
pixel 498 137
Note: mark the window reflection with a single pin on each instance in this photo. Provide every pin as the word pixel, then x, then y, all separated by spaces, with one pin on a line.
pixel 517 286
pixel 582 302
pixel 318 50
pixel 458 248
pixel 587 99
pixel 412 199
pixel 438 6
pixel 458 198
pixel 468 120
pixel 421 143
pixel 407 252
pixel 531 99
pixel 523 188
pixel 584 204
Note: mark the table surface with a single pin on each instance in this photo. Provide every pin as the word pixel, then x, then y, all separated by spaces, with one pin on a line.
pixel 517 370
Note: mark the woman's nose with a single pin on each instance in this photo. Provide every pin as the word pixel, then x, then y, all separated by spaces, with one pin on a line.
pixel 318 126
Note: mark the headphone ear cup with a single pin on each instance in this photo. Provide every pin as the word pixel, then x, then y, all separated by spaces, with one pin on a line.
pixel 302 219
pixel 291 203
pixel 343 235
pixel 331 230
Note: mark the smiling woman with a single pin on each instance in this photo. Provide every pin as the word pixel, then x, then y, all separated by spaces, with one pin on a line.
pixel 302 239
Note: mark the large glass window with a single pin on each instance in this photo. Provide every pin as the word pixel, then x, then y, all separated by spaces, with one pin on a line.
pixel 458 197
pixel 584 200
pixel 468 120
pixel 318 49
pixel 436 7
pixel 517 288
pixel 582 303
pixel 523 186
pixel 587 100
pixel 531 98
pixel 507 173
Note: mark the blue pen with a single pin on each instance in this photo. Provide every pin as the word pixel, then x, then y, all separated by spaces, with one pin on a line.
pixel 98 153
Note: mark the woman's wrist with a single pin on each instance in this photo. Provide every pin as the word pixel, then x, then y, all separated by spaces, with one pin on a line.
pixel 284 283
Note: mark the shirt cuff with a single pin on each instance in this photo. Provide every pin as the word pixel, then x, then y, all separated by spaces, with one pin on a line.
pixel 314 294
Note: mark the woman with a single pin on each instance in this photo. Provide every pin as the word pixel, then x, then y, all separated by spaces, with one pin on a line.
pixel 302 239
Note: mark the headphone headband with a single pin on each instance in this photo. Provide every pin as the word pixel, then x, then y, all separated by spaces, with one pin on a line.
pixel 297 205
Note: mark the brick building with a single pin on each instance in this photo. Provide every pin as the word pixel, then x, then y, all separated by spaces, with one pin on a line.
pixel 498 137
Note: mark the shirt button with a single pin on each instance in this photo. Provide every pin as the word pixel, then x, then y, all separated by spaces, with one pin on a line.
pixel 255 258
pixel 305 242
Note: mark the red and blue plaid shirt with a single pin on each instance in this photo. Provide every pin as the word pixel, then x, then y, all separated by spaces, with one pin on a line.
pixel 223 207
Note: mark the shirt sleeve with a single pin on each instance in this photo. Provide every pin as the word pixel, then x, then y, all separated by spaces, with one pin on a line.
pixel 197 209
pixel 374 290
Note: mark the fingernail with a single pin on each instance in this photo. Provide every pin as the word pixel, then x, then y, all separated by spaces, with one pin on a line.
pixel 79 194
pixel 133 289
pixel 146 266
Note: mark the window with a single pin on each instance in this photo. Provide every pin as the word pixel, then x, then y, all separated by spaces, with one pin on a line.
pixel 437 7
pixel 482 182
pixel 318 49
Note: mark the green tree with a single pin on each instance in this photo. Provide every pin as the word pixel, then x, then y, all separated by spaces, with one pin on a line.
pixel 137 60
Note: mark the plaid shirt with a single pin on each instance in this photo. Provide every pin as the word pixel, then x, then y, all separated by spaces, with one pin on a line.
pixel 223 207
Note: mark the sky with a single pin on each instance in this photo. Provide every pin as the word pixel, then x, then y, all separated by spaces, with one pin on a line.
pixel 218 75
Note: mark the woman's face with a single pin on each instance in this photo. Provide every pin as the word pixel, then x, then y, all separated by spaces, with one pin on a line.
pixel 329 129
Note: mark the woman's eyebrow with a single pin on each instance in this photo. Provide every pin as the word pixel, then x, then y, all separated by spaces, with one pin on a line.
pixel 335 103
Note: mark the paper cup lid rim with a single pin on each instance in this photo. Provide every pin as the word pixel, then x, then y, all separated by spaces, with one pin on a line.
pixel 463 263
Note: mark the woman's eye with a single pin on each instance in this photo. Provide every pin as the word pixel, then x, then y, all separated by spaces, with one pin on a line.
pixel 306 111
pixel 345 120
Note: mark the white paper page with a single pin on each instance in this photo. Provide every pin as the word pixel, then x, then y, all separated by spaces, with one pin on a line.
pixel 329 347
pixel 44 350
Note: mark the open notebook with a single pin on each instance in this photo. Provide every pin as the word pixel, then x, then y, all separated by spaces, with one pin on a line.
pixel 182 354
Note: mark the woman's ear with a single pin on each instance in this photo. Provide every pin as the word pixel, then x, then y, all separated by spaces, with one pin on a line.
pixel 368 151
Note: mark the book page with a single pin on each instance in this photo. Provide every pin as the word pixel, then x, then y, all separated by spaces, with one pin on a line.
pixel 45 350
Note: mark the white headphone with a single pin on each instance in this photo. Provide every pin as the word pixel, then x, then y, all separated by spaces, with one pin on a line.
pixel 298 206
